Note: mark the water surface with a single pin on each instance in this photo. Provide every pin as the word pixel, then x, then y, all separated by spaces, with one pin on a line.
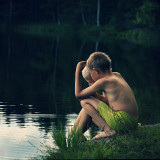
pixel 37 86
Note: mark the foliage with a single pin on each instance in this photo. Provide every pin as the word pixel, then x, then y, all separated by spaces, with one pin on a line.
pixel 143 143
pixel 60 138
pixel 120 13
pixel 145 15
pixel 141 36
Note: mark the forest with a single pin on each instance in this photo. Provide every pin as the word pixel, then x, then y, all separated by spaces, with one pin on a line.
pixel 41 43
pixel 117 15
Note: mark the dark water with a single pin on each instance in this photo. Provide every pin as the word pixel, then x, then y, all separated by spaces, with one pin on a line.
pixel 37 86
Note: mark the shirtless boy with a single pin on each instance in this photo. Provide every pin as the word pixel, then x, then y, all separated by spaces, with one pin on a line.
pixel 84 120
pixel 118 111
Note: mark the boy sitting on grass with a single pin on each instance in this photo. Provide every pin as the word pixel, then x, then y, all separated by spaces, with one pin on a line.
pixel 84 120
pixel 118 111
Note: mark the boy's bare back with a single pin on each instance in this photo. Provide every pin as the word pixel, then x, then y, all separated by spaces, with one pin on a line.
pixel 120 96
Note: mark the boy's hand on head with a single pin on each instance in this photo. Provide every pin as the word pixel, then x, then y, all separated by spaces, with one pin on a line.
pixel 81 65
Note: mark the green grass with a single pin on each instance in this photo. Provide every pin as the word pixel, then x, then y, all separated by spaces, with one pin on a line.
pixel 142 143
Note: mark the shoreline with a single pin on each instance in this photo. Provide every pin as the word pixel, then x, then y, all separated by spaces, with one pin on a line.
pixel 142 36
pixel 143 143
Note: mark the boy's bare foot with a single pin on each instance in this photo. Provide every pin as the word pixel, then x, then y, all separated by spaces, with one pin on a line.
pixel 105 134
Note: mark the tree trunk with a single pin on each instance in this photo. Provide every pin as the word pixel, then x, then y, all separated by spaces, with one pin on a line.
pixel 96 48
pixel 10 10
pixel 55 62
pixel 81 49
pixel 54 72
pixel 36 11
pixel 58 13
pixel 8 57
pixel 98 12
pixel 82 14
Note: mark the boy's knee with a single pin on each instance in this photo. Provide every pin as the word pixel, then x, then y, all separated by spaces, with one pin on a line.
pixel 92 101
pixel 83 102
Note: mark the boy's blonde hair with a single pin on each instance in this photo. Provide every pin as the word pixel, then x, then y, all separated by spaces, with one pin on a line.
pixel 85 73
pixel 99 60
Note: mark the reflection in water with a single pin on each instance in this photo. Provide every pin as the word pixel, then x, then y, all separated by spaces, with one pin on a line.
pixel 27 135
pixel 9 55
pixel 37 86
pixel 83 43
pixel 22 140
pixel 97 43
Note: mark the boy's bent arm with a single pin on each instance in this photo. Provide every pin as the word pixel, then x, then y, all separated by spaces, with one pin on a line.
pixel 90 91
pixel 81 94
pixel 102 98
pixel 78 86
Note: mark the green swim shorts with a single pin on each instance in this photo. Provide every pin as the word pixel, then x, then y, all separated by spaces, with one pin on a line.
pixel 120 121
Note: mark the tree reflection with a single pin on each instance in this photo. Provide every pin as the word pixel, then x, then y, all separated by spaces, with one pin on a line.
pixel 42 73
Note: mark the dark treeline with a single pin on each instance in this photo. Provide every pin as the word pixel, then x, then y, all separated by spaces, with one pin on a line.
pixel 124 14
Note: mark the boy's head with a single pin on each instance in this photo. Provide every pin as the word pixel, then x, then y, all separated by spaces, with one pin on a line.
pixel 100 62
pixel 87 76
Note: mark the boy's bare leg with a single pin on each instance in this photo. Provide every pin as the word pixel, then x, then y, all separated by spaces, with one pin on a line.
pixel 82 122
pixel 91 105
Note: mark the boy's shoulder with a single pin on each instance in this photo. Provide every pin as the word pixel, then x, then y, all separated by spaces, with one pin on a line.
pixel 112 78
pixel 117 73
pixel 115 77
pixel 109 81
pixel 106 79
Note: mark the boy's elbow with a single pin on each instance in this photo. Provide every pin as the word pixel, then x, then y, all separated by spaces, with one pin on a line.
pixel 80 96
pixel 77 95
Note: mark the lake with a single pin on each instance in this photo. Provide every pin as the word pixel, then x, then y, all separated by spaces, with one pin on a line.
pixel 37 86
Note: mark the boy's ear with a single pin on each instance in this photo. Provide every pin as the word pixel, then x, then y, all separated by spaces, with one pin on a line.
pixel 96 70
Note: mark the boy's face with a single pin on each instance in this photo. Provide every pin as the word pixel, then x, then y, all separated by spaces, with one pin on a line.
pixel 94 74
pixel 90 81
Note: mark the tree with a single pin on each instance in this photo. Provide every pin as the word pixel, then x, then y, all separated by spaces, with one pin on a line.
pixel 58 12
pixel 51 11
pixel 145 14
pixel 82 13
pixel 10 11
pixel 98 12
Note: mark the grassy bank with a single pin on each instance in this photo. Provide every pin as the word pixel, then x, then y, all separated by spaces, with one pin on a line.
pixel 143 143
